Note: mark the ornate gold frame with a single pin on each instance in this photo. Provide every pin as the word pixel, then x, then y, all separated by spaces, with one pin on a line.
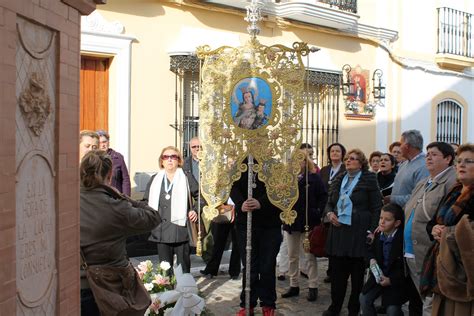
pixel 274 146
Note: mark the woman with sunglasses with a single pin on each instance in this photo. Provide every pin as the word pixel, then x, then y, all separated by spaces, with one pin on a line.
pixel 448 268
pixel 353 209
pixel 168 192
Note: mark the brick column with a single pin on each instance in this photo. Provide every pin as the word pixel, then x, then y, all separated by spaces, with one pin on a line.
pixel 39 179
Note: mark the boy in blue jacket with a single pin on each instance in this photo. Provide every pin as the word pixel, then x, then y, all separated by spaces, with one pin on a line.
pixel 387 275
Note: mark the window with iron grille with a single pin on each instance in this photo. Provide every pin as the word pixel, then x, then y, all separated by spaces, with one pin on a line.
pixel 186 123
pixel 455 32
pixel 449 122
pixel 320 126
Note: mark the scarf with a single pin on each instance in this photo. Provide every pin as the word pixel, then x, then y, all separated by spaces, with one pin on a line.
pixel 448 215
pixel 179 196
pixel 344 204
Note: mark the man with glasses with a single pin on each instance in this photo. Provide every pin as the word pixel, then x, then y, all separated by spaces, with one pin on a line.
pixel 191 169
pixel 191 163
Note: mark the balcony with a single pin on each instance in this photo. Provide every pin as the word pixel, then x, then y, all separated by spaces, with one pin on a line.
pixel 344 5
pixel 336 14
pixel 455 39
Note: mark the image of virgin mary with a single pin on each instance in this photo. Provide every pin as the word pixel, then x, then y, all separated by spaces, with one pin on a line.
pixel 247 111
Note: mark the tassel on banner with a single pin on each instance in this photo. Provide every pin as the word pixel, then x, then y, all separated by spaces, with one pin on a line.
pixel 306 245
pixel 199 245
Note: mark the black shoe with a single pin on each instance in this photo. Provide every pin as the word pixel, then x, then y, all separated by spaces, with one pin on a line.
pixel 304 275
pixel 293 291
pixel 206 274
pixel 381 309
pixel 312 295
pixel 327 279
pixel 281 278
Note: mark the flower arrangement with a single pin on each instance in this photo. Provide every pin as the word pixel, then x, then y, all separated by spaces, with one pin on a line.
pixel 156 280
pixel 170 295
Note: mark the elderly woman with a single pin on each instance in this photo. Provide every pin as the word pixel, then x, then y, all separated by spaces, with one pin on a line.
pixel 120 176
pixel 386 174
pixel 335 166
pixel 107 219
pixel 353 210
pixel 374 161
pixel 448 269
pixel 307 214
pixel 328 173
pixel 419 209
pixel 168 192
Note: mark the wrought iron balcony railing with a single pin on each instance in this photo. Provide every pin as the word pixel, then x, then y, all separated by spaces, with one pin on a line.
pixel 455 32
pixel 344 5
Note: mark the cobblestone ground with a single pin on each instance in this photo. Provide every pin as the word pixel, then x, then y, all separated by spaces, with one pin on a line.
pixel 222 294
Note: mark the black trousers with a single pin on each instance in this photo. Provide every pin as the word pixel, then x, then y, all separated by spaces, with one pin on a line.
pixel 341 269
pixel 182 252
pixel 415 307
pixel 265 246
pixel 220 232
pixel 88 304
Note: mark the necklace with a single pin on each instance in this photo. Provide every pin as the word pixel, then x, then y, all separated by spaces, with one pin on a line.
pixel 168 187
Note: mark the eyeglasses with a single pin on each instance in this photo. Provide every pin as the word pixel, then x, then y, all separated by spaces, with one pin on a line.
pixel 172 157
pixel 466 161
pixel 196 146
pixel 351 158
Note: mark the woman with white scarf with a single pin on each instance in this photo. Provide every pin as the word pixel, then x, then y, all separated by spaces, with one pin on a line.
pixel 168 192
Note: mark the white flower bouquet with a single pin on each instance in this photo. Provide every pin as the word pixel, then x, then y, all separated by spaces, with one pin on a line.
pixel 171 295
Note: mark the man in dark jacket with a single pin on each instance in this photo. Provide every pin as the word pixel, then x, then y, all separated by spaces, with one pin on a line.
pixel 266 239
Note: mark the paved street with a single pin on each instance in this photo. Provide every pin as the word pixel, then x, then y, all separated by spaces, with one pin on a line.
pixel 222 294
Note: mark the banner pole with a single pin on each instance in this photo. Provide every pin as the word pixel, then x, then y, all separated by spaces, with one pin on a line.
pixel 248 248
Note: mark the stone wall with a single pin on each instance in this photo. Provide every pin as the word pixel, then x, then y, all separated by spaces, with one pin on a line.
pixel 39 179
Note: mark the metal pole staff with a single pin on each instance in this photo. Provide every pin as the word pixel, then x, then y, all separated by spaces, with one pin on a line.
pixel 248 247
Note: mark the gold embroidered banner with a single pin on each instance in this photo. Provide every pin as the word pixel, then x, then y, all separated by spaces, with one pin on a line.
pixel 251 103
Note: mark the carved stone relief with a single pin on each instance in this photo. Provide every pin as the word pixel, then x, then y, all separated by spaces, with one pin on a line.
pixel 35 103
pixel 36 219
pixel 95 22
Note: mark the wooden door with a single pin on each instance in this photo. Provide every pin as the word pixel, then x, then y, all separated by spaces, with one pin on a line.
pixel 94 93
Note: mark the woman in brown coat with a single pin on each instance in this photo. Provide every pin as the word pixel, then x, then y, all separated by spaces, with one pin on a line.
pixel 107 219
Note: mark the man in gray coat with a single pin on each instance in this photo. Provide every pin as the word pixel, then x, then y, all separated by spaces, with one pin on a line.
pixel 422 206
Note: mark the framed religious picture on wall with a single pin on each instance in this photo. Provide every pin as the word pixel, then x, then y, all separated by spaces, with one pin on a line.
pixel 360 78
pixel 358 98
pixel 251 103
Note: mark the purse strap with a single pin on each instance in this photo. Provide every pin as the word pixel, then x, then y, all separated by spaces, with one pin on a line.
pixel 83 261
pixel 190 202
